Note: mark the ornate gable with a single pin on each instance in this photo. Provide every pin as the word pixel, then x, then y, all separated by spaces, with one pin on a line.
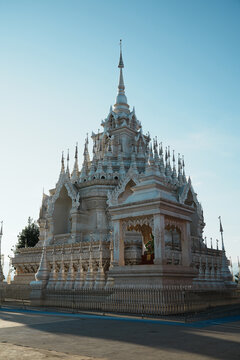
pixel 121 188
pixel 184 192
pixel 72 193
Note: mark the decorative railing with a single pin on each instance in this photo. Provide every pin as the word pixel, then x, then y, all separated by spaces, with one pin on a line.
pixel 166 300
pixel 17 292
pixel 156 301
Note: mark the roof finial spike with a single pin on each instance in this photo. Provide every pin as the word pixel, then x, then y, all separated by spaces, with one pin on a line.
pixel 76 151
pixel 166 156
pixel 160 149
pixel 121 64
pixel 169 156
pixel 183 168
pixel 221 231
pixel 86 153
pixel 67 171
pixel 174 157
pixel 121 100
pixel 179 164
pixel 180 178
pixel 75 172
pixel 63 166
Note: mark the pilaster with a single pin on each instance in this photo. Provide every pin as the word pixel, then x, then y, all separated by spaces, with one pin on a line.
pixel 158 233
pixel 118 243
pixel 186 245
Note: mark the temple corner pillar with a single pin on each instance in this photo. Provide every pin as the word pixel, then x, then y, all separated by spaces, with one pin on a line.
pixel 186 245
pixel 118 243
pixel 158 233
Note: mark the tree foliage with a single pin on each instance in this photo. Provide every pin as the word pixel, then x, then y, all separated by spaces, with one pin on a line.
pixel 29 236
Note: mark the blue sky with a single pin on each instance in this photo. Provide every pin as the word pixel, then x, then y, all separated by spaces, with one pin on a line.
pixel 58 71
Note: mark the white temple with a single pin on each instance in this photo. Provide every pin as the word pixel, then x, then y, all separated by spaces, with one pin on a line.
pixel 128 218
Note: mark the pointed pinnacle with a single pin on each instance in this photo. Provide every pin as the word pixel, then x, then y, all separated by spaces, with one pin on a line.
pixel 63 166
pixel 76 151
pixel 160 149
pixel 121 64
pixel 221 228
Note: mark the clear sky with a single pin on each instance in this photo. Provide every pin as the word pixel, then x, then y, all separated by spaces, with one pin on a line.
pixel 59 75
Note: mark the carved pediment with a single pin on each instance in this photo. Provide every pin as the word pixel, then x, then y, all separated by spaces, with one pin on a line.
pixel 63 181
pixel 117 195
pixel 187 195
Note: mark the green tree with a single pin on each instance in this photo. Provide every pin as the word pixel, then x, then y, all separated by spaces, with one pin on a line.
pixel 29 236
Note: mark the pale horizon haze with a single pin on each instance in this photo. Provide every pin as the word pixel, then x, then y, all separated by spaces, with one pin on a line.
pixel 59 76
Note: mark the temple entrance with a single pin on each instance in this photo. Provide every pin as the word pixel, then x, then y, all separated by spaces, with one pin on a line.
pixel 61 214
pixel 146 245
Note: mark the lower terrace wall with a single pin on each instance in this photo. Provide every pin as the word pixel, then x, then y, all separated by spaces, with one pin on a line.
pixel 156 302
pixel 164 301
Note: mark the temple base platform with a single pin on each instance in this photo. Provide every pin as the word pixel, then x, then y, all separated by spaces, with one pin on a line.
pixel 151 275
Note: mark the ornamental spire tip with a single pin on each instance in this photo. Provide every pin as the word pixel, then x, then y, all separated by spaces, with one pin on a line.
pixel 121 64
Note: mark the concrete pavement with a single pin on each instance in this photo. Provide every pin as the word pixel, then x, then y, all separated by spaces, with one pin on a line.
pixel 41 335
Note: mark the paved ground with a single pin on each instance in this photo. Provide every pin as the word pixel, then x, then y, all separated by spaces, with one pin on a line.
pixel 39 335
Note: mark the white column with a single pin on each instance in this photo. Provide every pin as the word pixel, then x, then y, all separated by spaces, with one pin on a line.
pixel 158 233
pixel 118 243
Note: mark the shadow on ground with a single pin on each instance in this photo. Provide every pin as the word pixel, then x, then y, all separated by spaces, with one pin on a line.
pixel 117 339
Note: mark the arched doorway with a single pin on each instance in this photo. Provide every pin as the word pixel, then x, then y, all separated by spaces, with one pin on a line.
pixel 146 246
pixel 61 214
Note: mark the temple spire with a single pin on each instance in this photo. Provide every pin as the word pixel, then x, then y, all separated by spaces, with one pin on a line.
pixel 174 172
pixel 221 231
pixel 75 171
pixel 161 159
pixel 121 100
pixel 121 64
pixel 63 166
pixel 67 171
pixel 183 170
pixel 180 178
pixel 86 152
